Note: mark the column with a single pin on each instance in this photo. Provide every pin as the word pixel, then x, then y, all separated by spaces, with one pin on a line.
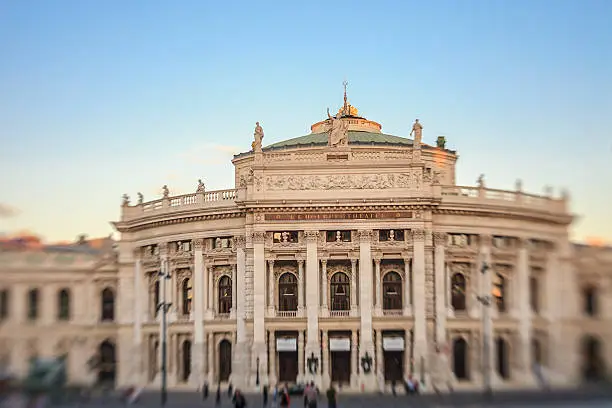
pixel 440 287
pixel 379 357
pixel 198 313
pixel 241 354
pixel 449 307
pixel 407 288
pixel 137 344
pixel 259 308
pixel 354 360
pixel 420 322
pixel 272 351
pixel 234 292
pixel 524 315
pixel 300 287
pixel 211 290
pixel 326 372
pixel 377 281
pixel 163 294
pixel 407 355
pixel 210 359
pixel 300 376
pixel 488 351
pixel 353 286
pixel 271 287
pixel 324 295
pixel 312 302
pixel 365 302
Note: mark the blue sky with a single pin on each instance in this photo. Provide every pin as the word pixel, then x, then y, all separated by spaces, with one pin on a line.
pixel 106 97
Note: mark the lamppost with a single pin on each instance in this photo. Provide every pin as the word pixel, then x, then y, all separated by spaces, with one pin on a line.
pixel 164 306
pixel 257 375
pixel 486 301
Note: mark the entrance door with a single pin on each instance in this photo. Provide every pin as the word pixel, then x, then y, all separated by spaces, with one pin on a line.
pixel 394 365
pixel 186 361
pixel 225 360
pixel 287 366
pixel 107 367
pixel 341 366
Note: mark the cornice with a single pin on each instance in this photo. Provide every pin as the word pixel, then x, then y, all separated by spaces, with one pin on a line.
pixel 506 214
pixel 142 224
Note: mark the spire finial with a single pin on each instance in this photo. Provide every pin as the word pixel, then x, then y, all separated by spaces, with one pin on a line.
pixel 345 83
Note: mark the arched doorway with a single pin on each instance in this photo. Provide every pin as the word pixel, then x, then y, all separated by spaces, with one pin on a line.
pixel 186 353
pixel 460 359
pixel 503 368
pixel 592 359
pixel 107 363
pixel 225 360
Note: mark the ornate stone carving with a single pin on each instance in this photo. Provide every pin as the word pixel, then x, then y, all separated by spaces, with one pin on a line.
pixel 259 237
pixel 140 198
pixel 418 234
pixel 240 241
pixel 439 238
pixel 410 179
pixel 198 243
pixel 311 236
pixel 163 248
pixel 165 191
pixel 365 235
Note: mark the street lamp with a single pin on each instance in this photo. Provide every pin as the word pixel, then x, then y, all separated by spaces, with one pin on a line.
pixel 486 301
pixel 257 376
pixel 164 275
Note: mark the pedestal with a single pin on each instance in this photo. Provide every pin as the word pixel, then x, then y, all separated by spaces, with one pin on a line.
pixel 312 349
pixel 196 378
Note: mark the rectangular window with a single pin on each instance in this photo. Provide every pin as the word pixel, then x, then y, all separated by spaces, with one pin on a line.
pixel 391 235
pixel 338 236
pixel 460 240
pixel 33 304
pixel 502 242
pixel 534 295
pixel 285 237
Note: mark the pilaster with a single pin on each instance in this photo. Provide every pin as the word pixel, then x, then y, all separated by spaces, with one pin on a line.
pixel 524 318
pixel 137 339
pixel 440 289
pixel 378 290
pixel 312 304
pixel 197 361
pixel 300 263
pixel 420 321
pixel 353 286
pixel 488 349
pixel 407 288
pixel 259 352
pixel 368 380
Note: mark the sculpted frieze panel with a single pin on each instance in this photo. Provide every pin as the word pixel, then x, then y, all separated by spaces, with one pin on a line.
pixel 409 179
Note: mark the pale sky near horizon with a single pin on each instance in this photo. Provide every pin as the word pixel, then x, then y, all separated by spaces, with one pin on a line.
pixel 102 98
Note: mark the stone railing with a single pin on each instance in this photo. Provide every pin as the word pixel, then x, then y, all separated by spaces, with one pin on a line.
pixel 393 312
pixel 339 313
pixel 286 313
pixel 208 199
pixel 482 195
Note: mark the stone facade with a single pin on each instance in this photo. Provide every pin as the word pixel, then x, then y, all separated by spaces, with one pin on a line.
pixel 359 264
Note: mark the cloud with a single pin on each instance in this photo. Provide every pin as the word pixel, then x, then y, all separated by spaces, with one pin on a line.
pixel 6 211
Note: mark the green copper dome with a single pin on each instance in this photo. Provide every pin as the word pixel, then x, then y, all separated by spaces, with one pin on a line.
pixel 355 138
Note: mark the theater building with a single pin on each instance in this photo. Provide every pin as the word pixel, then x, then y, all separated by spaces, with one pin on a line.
pixel 351 256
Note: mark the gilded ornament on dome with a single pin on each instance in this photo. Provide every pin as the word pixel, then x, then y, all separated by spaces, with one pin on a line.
pixel 348 110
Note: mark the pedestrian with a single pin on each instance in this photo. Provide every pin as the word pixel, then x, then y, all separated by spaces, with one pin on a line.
pixel 218 397
pixel 205 391
pixel 239 400
pixel 265 395
pixel 230 388
pixel 275 395
pixel 331 396
pixel 284 397
pixel 310 395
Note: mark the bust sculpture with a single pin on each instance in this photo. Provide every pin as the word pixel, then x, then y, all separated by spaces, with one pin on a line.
pixel 259 134
pixel 338 132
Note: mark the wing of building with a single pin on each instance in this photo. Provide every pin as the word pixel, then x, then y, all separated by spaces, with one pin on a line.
pixel 347 255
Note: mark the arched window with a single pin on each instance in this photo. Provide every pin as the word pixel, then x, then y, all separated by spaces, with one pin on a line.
pixel 589 295
pixel 225 294
pixel 33 304
pixel 340 292
pixel 287 292
pixel 460 359
pixel 458 288
pixel 534 294
pixel 108 305
pixel 187 296
pixel 63 305
pixel 392 291
pixel 107 362
pixel 502 358
pixel 499 292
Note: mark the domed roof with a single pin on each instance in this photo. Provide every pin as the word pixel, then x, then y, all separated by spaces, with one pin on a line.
pixel 355 138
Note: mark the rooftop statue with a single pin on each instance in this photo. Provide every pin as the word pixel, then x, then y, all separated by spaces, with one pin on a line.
pixel 417 129
pixel 201 187
pixel 259 134
pixel 480 181
pixel 165 191
pixel 338 132
pixel 140 198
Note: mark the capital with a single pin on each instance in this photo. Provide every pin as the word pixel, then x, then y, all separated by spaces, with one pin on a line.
pixel 486 240
pixel 311 236
pixel 365 235
pixel 439 238
pixel 324 263
pixel 197 243
pixel 240 241
pixel 418 234
pixel 353 262
pixel 163 248
pixel 258 237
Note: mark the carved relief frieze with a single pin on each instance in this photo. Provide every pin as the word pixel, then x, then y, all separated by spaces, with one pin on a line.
pixel 258 237
pixel 239 241
pixel 285 269
pixel 219 271
pixel 338 267
pixel 410 179
pixel 183 273
pixel 365 235
pixel 312 236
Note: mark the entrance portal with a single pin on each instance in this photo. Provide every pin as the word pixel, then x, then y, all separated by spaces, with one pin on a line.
pixel 287 366
pixel 394 365
pixel 592 367
pixel 341 366
pixel 107 366
pixel 225 360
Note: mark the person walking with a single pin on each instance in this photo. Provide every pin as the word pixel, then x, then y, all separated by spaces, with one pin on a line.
pixel 265 395
pixel 331 396
pixel 284 397
pixel 239 400
pixel 310 396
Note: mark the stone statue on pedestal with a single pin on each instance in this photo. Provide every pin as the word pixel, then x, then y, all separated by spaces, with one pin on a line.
pixel 140 198
pixel 259 134
pixel 417 129
pixel 338 132
pixel 201 187
pixel 480 181
pixel 165 191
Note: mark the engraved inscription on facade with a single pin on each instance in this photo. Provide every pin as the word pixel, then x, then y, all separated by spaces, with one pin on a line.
pixel 338 216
